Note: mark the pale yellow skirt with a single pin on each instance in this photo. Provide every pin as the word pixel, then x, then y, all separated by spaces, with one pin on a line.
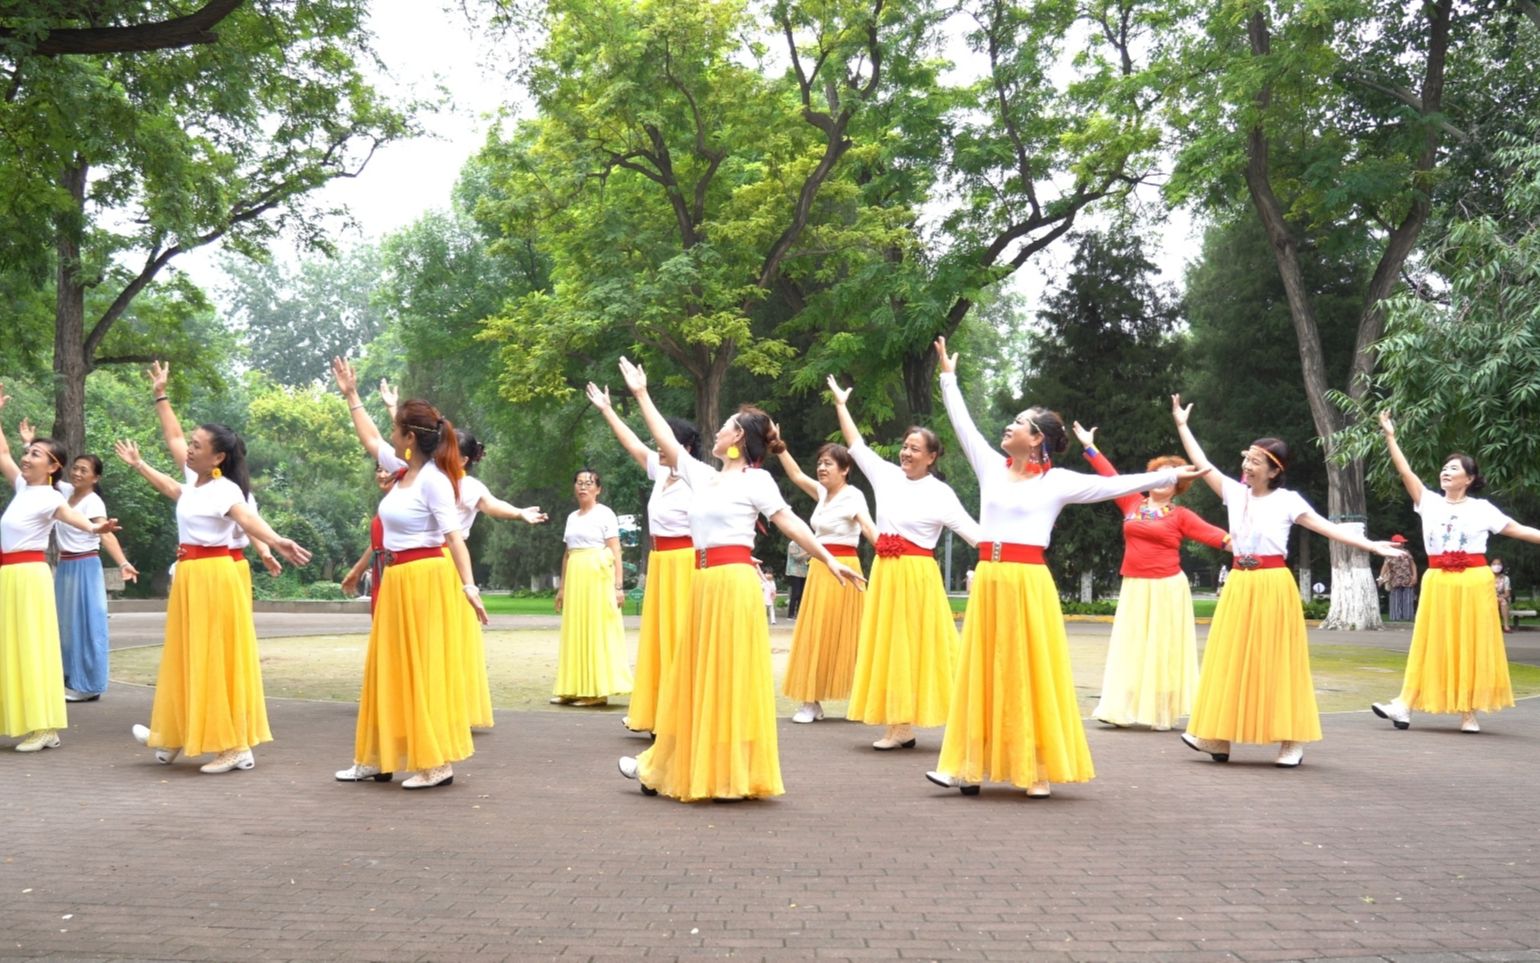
pixel 1255 685
pixel 1152 657
pixel 715 727
pixel 822 663
pixel 906 658
pixel 31 664
pixel 1457 662
pixel 591 662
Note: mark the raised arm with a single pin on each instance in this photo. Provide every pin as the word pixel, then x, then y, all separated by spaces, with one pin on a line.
pixel 634 446
pixel 1338 533
pixel 389 396
pixel 364 426
pixel 1409 479
pixel 669 449
pixel 842 411
pixel 170 427
pixel 1195 454
pixel 795 473
pixel 980 452
pixel 75 518
pixel 8 466
pixel 128 452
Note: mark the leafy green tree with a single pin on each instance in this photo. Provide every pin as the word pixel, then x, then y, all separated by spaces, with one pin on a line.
pixel 141 141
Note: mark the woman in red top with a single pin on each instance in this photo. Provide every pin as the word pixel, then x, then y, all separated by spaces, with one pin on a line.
pixel 1152 657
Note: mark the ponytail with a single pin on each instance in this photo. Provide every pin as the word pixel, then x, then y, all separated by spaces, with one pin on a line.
pixel 446 454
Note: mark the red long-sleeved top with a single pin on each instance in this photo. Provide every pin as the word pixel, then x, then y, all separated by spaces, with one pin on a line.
pixel 1152 546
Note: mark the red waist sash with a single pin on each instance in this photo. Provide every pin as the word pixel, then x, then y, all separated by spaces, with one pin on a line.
pixel 723 555
pixel 413 554
pixel 1456 561
pixel 1011 552
pixel 842 551
pixel 18 558
pixel 667 543
pixel 186 553
pixel 892 546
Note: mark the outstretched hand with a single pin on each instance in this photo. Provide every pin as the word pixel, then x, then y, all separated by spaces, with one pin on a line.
pixel 128 451
pixel 292 550
pixel 105 526
pixel 599 397
pixel 947 363
pixel 1191 473
pixel 1180 414
pixel 26 431
pixel 635 377
pixel 347 378
pixel 841 395
pixel 1387 425
pixel 1086 436
pixel 388 394
pixel 159 373
pixel 3 396
pixel 533 515
pixel 844 573
pixel 1388 549
pixel 130 574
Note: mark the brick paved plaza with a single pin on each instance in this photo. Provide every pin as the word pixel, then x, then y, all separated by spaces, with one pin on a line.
pixel 1415 846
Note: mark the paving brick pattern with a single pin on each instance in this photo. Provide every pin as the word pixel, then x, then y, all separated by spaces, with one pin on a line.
pixel 1418 846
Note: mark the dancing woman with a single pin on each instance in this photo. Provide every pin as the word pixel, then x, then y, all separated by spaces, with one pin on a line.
pixel 80 592
pixel 670 563
pixel 1255 684
pixel 907 651
pixel 414 711
pixel 1152 656
pixel 208 693
pixel 591 663
pixel 31 669
pixel 823 644
pixel 1457 662
pixel 715 728
pixel 1014 715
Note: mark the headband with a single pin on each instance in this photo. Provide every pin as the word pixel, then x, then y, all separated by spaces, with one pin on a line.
pixel 1270 456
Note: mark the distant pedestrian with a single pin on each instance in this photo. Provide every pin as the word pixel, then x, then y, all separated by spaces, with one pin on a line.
pixel 796 578
pixel 1399 577
pixel 1504 587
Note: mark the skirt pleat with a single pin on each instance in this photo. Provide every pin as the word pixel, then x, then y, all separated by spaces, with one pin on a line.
pixel 81 596
pixel 822 664
pixel 906 655
pixel 414 709
pixel 1015 717
pixel 31 672
pixel 1457 661
pixel 1152 656
pixel 1255 684
pixel 665 620
pixel 208 693
pixel 715 727
pixel 591 662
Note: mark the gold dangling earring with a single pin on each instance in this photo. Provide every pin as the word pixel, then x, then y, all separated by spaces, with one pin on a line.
pixel 734 452
pixel 216 473
pixel 408 455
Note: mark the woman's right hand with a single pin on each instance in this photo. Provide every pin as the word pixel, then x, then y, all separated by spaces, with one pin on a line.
pixel 1387 425
pixel 841 395
pixel 128 451
pixel 388 394
pixel 635 377
pixel 559 599
pixel 1180 414
pixel 599 397
pixel 946 362
pixel 350 585
pixel 26 432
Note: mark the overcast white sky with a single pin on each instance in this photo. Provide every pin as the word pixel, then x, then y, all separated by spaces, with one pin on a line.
pixel 422 47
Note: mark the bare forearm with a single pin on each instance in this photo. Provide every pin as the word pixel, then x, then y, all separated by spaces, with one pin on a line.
pixel 847 425
pixel 628 439
pixel 668 445
pixel 171 431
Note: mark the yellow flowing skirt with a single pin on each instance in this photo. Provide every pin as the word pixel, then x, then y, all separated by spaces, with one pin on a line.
pixel 823 645
pixel 1152 657
pixel 414 710
pixel 208 694
pixel 31 666
pixel 1255 684
pixel 1015 717
pixel 1457 662
pixel 715 726
pixel 907 653
pixel 591 662
pixel 665 620
pixel 243 572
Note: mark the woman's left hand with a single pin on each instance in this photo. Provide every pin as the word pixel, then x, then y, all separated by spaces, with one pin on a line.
pixel 533 515
pixel 130 574
pixel 1388 549
pixel 1086 436
pixel 105 526
pixel 946 362
pixel 292 550
pixel 845 573
pixel 271 563
pixel 1190 473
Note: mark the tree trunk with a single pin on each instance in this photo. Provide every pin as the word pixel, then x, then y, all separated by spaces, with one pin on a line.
pixel 708 393
pixel 919 376
pixel 1355 598
pixel 69 360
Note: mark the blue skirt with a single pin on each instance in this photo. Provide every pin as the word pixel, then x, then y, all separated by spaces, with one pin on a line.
pixel 82 602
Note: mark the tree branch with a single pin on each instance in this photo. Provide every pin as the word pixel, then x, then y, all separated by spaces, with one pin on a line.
pixel 195 28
